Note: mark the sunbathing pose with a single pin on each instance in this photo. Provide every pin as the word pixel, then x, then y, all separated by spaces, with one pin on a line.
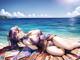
pixel 37 38
pixel 34 40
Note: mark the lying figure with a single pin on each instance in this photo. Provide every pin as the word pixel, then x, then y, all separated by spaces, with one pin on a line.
pixel 36 40
pixel 55 45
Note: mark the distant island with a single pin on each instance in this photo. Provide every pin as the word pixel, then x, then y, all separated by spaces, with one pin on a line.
pixel 78 16
pixel 3 17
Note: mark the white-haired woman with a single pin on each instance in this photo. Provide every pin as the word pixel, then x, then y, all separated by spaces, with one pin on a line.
pixel 37 41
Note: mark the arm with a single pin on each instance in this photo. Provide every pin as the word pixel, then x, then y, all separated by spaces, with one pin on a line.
pixel 30 45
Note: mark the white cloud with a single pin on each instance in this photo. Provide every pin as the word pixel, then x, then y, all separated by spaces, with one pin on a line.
pixel 38 15
pixel 29 15
pixel 71 1
pixel 44 15
pixel 19 14
pixel 75 12
pixel 13 14
pixel 34 15
pixel 5 13
pixel 78 9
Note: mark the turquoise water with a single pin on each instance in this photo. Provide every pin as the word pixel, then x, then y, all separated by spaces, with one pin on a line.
pixel 58 26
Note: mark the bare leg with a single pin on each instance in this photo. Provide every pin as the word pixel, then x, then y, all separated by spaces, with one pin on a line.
pixel 75 44
pixel 63 43
pixel 55 51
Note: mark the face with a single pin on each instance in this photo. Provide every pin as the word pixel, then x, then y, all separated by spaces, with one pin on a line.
pixel 17 30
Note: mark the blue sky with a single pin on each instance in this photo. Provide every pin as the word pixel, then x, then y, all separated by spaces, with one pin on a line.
pixel 44 8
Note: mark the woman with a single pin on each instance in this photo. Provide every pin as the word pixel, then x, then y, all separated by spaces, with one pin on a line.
pixel 37 38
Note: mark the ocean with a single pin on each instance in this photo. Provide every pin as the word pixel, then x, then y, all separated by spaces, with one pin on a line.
pixel 65 27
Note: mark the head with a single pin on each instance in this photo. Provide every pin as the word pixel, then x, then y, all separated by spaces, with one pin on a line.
pixel 17 29
pixel 12 30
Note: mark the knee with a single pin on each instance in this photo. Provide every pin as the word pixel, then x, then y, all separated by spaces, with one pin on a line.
pixel 61 53
pixel 69 48
pixel 57 52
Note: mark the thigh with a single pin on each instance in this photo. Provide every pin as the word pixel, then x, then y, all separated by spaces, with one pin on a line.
pixel 55 50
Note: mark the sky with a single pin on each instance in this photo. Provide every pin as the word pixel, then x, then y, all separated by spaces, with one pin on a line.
pixel 40 8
